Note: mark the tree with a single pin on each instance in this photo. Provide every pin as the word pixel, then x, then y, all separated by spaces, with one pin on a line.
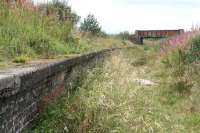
pixel 91 25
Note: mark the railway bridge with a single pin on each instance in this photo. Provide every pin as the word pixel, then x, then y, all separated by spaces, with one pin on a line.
pixel 140 35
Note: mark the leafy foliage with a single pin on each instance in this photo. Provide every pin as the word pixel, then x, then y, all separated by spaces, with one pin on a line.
pixel 90 24
pixel 193 54
pixel 21 59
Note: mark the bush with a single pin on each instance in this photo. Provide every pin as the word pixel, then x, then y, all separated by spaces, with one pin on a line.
pixel 174 62
pixel 21 59
pixel 181 86
pixel 42 45
pixel 174 58
pixel 91 25
pixel 193 54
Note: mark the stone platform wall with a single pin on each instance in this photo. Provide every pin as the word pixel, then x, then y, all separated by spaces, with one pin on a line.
pixel 23 89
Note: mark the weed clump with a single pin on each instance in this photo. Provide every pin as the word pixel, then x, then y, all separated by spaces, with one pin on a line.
pixel 193 54
pixel 21 59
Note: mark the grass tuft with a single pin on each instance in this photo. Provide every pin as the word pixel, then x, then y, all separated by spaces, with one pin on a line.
pixel 21 59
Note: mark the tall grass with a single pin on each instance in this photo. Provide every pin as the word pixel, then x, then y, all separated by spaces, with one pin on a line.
pixel 25 32
pixel 35 34
pixel 178 54
pixel 110 99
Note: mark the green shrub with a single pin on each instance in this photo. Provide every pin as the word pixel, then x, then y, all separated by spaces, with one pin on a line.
pixel 176 61
pixel 91 25
pixel 42 45
pixel 21 59
pixel 192 120
pixel 178 57
pixel 181 86
pixel 146 47
pixel 194 51
pixel 175 90
pixel 77 40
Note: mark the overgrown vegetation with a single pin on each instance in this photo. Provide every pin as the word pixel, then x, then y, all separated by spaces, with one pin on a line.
pixel 193 55
pixel 21 59
pixel 151 88
pixel 90 25
pixel 45 31
pixel 140 94
pixel 124 35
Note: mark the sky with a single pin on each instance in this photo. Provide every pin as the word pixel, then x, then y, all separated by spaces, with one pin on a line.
pixel 116 16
